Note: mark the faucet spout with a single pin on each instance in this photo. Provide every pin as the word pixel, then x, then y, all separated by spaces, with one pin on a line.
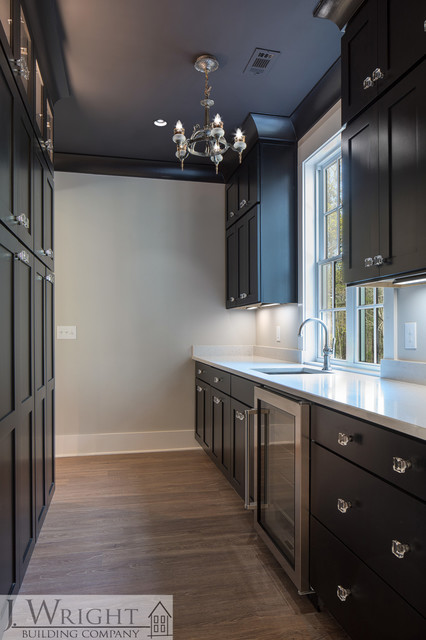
pixel 328 348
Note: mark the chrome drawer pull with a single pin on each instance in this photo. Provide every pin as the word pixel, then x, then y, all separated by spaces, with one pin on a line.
pixel 215 379
pixel 199 389
pixel 239 415
pixel 343 439
pixel 343 593
pixel 399 549
pixel 377 75
pixel 400 465
pixel 343 505
pixel 216 400
pixel 368 83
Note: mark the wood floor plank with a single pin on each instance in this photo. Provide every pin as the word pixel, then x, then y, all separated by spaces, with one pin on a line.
pixel 169 523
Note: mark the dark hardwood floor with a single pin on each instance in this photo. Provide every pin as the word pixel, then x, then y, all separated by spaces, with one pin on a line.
pixel 169 523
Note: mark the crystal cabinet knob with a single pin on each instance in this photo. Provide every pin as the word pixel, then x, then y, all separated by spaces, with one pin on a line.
pixel 243 203
pixel 242 296
pixel 231 299
pixel 48 145
pixel 231 214
pixel 216 379
pixel 200 372
pixel 23 256
pixel 343 593
pixel 399 549
pixel 377 75
pixel 50 278
pixel 378 261
pixel 368 262
pixel 199 389
pixel 343 505
pixel 23 220
pixel 367 83
pixel 48 253
pixel 22 68
pixel 343 439
pixel 239 415
pixel 216 400
pixel 400 465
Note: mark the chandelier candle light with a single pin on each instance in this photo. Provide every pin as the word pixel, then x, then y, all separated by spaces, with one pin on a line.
pixel 212 135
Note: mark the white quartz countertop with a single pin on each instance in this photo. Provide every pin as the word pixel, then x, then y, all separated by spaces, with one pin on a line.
pixel 398 405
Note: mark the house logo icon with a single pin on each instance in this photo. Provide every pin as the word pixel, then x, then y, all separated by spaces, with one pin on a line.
pixel 160 622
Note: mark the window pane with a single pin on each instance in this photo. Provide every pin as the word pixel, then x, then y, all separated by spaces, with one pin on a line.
pixel 326 287
pixel 340 181
pixel 340 231
pixel 331 235
pixel 339 287
pixel 331 187
pixel 366 335
pixel 366 295
pixel 379 295
pixel 340 335
pixel 379 335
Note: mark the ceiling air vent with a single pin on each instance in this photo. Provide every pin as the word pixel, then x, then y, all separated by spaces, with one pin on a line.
pixel 261 61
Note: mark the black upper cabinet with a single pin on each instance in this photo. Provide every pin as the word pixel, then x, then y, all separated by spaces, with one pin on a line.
pixel 261 240
pixel 244 190
pixel 384 190
pixel 232 200
pixel 383 41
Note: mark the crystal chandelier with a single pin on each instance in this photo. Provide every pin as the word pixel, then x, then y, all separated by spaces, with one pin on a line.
pixel 211 137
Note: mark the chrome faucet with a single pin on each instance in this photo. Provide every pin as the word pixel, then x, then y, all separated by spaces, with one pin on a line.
pixel 328 349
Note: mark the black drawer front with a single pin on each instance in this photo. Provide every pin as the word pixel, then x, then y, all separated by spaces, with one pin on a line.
pixel 220 380
pixel 372 611
pixel 373 447
pixel 378 515
pixel 202 372
pixel 242 390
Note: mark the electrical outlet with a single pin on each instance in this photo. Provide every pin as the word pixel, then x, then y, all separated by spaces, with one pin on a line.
pixel 66 333
pixel 410 335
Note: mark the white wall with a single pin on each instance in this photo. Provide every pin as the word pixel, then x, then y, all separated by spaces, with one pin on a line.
pixel 411 307
pixel 140 270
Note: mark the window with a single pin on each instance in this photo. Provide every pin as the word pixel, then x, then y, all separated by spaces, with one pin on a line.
pixel 353 315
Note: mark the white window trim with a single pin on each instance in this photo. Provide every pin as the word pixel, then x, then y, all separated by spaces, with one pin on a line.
pixel 309 280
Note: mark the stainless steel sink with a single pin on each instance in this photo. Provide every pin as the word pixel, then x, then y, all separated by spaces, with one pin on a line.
pixel 290 371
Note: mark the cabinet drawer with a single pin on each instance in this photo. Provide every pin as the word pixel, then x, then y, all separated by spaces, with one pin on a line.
pixel 371 517
pixel 203 372
pixel 372 610
pixel 220 380
pixel 242 390
pixel 395 457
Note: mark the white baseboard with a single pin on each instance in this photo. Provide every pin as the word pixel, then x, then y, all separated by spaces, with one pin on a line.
pixel 92 444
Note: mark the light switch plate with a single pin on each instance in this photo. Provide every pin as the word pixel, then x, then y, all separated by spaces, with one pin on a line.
pixel 66 333
pixel 410 335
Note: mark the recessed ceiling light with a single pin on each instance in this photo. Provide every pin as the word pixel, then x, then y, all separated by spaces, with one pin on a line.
pixel 160 122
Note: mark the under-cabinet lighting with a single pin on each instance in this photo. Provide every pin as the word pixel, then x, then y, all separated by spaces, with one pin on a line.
pixel 271 304
pixel 402 283
pixel 251 308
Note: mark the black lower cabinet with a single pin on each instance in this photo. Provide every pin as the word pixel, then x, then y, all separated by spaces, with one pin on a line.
pixel 24 470
pixel 365 606
pixel 221 422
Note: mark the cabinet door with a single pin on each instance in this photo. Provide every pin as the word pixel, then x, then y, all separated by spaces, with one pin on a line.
pixel 22 184
pixel 25 407
pixel 360 197
pixel 238 455
pixel 231 267
pixel 248 258
pixel 232 200
pixel 49 446
pixel 402 153
pixel 359 60
pixel 48 220
pixel 248 181
pixel 8 412
pixel 401 38
pixel 39 392
pixel 38 209
pixel 203 425
pixel 221 431
pixel 6 162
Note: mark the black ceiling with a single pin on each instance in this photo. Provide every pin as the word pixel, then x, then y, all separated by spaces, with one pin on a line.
pixel 131 61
